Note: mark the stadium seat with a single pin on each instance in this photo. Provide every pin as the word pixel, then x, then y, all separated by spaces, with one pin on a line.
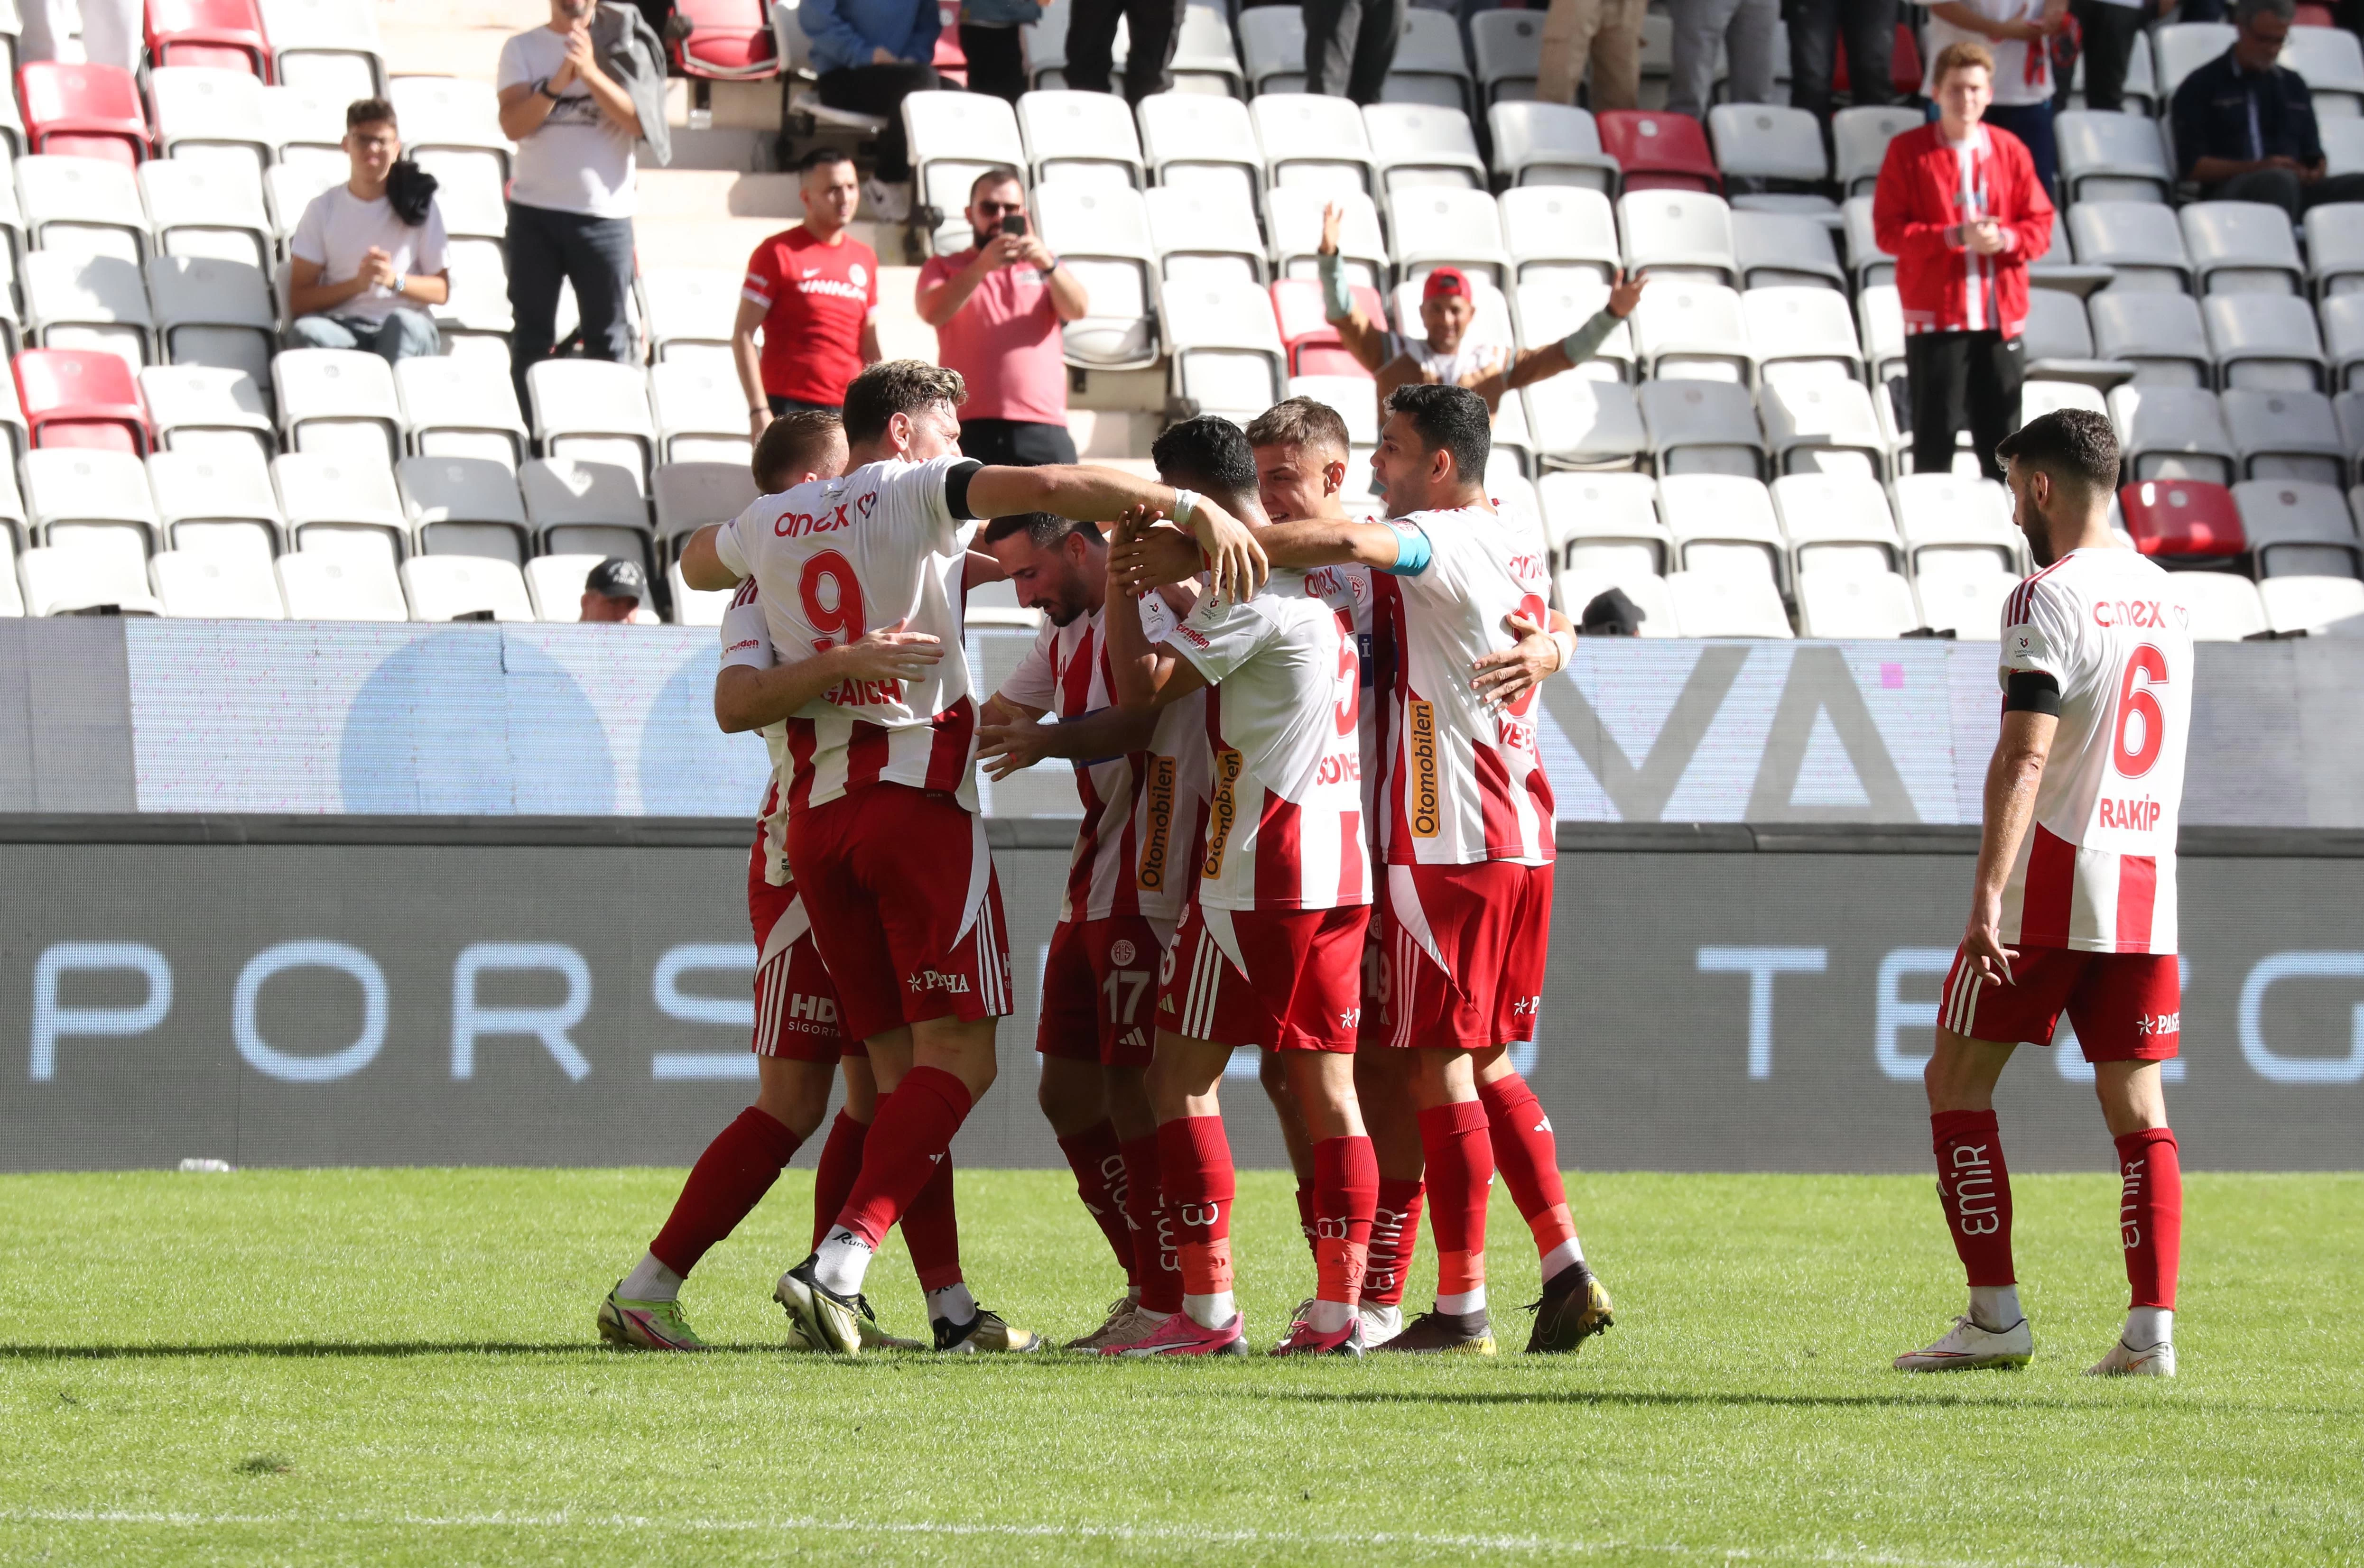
pixel 2266 341
pixel 2059 343
pixel 2159 334
pixel 586 509
pixel 2343 145
pixel 206 408
pixel 2225 609
pixel 1205 231
pixel 1272 50
pixel 211 117
pixel 2110 157
pixel 1836 522
pixel 1680 235
pixel 1314 347
pixel 1206 63
pixel 211 312
pixel 2343 332
pixel 1435 226
pixel 1646 591
pixel 1550 144
pixel 1856 606
pixel 955 136
pixel 1314 143
pixel 2141 241
pixel 2292 603
pixel 194 585
pixel 1722 525
pixel 65 580
pixel 1101 233
pixel 1963 593
pixel 1693 329
pixel 1955 522
pixel 1419 145
pixel 94 498
pixel 2059 268
pixel 691 607
pixel 1224 346
pixel 2298 529
pixel 2141 85
pixel 218 502
pixel 2335 248
pixel 87 302
pixel 729 40
pixel 1293 220
pixel 1776 250
pixel 79 397
pixel 84 111
pixel 1559 233
pixel 2332 64
pixel 701 412
pixel 1507 49
pixel 1860 137
pixel 555 585
pixel 691 495
pixel 1194 141
pixel 1551 307
pixel 1578 422
pixel 1658 151
pixel 337 400
pixel 83 205
pixel 1701 426
pixel 2241 248
pixel 288 189
pixel 319 585
pixel 305 124
pixel 2183 517
pixel 224 35
pixel 2171 432
pixel 12 595
pixel 1046 46
pixel 475 321
pixel 1085 137
pixel 467 191
pixel 451 411
pixel 196 208
pixel 465 505
pixel 1715 604
pixel 1605 522
pixel 344 504
pixel 1430 66
pixel 451 112
pixel 1824 426
pixel 1773 144
pixel 1801 334
pixel 2286 435
pixel 690 312
pixel 592 410
pixel 465 587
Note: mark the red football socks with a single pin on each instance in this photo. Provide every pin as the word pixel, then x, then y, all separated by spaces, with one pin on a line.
pixel 1194 1160
pixel 729 1180
pixel 931 1230
pixel 1346 1191
pixel 834 1177
pixel 2151 1214
pixel 1527 1155
pixel 1395 1230
pixel 1157 1269
pixel 1975 1187
pixel 912 1135
pixel 1460 1159
pixel 1098 1160
pixel 1305 1217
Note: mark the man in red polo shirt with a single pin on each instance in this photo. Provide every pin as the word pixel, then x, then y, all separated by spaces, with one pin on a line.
pixel 814 290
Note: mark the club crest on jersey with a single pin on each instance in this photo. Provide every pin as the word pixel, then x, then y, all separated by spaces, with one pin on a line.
pixel 1223 811
pixel 1426 808
pixel 1122 952
pixel 1151 874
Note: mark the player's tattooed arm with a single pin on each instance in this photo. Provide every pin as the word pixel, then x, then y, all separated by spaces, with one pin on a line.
pixel 2011 777
pixel 1005 748
pixel 749 698
pixel 1503 678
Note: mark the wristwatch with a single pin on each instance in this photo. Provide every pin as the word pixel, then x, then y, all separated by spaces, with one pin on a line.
pixel 1053 267
pixel 542 87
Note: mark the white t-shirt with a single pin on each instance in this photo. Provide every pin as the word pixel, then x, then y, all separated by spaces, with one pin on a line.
pixel 338 229
pixel 2013 85
pixel 576 160
pixel 1453 369
pixel 2096 872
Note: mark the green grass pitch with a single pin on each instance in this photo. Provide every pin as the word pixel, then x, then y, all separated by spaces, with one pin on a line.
pixel 399 1367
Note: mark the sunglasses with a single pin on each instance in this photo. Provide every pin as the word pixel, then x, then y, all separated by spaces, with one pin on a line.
pixel 995 209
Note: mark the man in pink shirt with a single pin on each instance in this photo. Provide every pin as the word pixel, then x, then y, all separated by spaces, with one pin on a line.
pixel 996 308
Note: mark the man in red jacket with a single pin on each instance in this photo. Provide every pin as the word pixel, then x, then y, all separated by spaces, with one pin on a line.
pixel 1960 208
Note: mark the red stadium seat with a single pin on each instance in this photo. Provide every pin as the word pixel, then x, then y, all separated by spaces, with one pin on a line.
pixel 2315 16
pixel 1314 347
pixel 2183 517
pixel 950 62
pixel 1903 65
pixel 83 398
pixel 1659 151
pixel 729 41
pixel 84 111
pixel 225 35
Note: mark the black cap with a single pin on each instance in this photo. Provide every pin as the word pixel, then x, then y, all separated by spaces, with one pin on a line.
pixel 617 578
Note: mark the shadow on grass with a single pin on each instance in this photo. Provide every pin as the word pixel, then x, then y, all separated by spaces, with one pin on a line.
pixel 1995 1397
pixel 300 1349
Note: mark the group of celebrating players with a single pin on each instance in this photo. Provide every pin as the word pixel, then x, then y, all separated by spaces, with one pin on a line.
pixel 1315 821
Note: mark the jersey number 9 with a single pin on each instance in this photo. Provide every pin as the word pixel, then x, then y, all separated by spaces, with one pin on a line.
pixel 840 610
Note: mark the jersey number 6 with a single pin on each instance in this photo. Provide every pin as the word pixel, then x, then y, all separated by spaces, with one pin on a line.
pixel 2134 761
pixel 840 612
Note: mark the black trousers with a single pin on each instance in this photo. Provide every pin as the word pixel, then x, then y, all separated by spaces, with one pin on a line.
pixel 1350 45
pixel 1153 26
pixel 547 248
pixel 791 404
pixel 880 90
pixel 2108 34
pixel 1016 443
pixel 1959 377
pixel 997 61
pixel 1815 26
pixel 2286 191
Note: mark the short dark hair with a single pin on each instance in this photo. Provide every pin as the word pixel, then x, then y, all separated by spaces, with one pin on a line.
pixel 999 175
pixel 790 444
pixel 2075 445
pixel 1208 452
pixel 370 111
pixel 821 158
pixel 1300 422
pixel 1047 529
pixel 896 386
pixel 1453 418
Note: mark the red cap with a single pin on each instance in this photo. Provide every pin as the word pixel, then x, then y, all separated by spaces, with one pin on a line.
pixel 1445 281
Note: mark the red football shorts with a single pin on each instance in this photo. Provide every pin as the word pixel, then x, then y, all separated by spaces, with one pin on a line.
pixel 1372 1033
pixel 905 906
pixel 2127 1007
pixel 1491 924
pixel 1302 988
pixel 1099 990
pixel 795 1004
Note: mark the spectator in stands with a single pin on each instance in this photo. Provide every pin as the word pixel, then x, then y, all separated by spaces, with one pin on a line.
pixel 2245 125
pixel 1153 27
pixel 113 32
pixel 614 590
pixel 1960 208
pixel 1604 34
pixel 1747 29
pixel 996 308
pixel 1350 46
pixel 2107 31
pixel 1816 28
pixel 577 95
pixel 2018 34
pixel 872 54
pixel 367 259
pixel 814 292
pixel 996 50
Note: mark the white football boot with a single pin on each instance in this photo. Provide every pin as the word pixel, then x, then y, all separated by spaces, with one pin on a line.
pixel 1967 1344
pixel 2124 1360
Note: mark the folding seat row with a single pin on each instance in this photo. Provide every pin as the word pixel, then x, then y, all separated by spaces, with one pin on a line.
pixel 1430 65
pixel 2272 527
pixel 178 309
pixel 2169 432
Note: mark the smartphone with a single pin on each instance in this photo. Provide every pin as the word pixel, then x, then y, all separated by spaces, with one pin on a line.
pixel 1015 223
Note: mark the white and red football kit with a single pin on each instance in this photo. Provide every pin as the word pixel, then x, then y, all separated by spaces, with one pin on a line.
pixel 2091 902
pixel 1467 822
pixel 1270 952
pixel 877 777
pixel 795 1004
pixel 1130 875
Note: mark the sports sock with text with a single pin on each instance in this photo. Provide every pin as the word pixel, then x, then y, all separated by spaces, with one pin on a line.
pixel 729 1180
pixel 1460 1157
pixel 932 1232
pixel 1395 1231
pixel 834 1176
pixel 1098 1160
pixel 912 1137
pixel 1345 1192
pixel 1526 1153
pixel 1193 1159
pixel 1975 1186
pixel 2150 1215
pixel 1157 1271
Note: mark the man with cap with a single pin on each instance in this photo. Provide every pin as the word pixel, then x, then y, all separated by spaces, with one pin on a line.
pixel 1448 307
pixel 614 590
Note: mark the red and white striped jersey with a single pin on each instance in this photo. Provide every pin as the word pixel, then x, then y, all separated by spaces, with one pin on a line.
pixel 747 640
pixel 1143 811
pixel 2096 872
pixel 835 558
pixel 1465 783
pixel 1285 799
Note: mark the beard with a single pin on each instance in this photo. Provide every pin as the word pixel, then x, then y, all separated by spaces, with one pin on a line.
pixel 2038 533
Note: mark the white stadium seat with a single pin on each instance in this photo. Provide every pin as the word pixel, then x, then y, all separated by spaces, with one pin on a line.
pixel 2059 343
pixel 467 191
pixel 196 208
pixel 2286 435
pixel 2159 334
pixel 1194 141
pixel 1101 233
pixel 1835 521
pixel 1685 328
pixel 1646 591
pixel 218 502
pixel 1778 249
pixel 62 578
pixel 338 401
pixel 2142 79
pixel 2299 529
pixel 592 410
pixel 75 301
pixel 1701 426
pixel 303 121
pixel 1314 142
pixel 2039 396
pixel 1225 346
pixel 2267 342
pixel 1582 423
pixel 690 311
pixel 1713 604
pixel 1046 46
pixel 2171 432
pixel 194 585
pixel 328 46
pixel 1206 63
pixel 1868 265
pixel 1550 144
pixel 2112 157
pixel 2332 65
pixel 323 585
pixel 1856 606
pixel 587 509
pixel 1205 230
pixel 1506 47
pixel 1957 518
pixel 701 412
pixel 1681 236
pixel 453 587
pixel 2241 248
pixel 955 137
pixel 1723 525
pixel 689 495
pixel 1860 137
pixel 2141 240
pixel 84 486
pixel 204 406
pixel 1435 226
pixel 1558 231
pixel 1430 65
pixel 1605 522
pixel 449 111
pixel 1421 145
pixel 2225 609
pixel 1293 220
pixel 213 312
pixel 465 505
pixel 1272 49
pixel 1087 137
pixel 1963 594
pixel 1767 141
pixel 83 205
pixel 453 411
pixel 2334 248
pixel 2343 335
pixel 12 593
pixel 1826 426
pixel 2292 603
pixel 343 504
pixel 1548 309
pixel 208 116
pixel 1801 333
pixel 555 585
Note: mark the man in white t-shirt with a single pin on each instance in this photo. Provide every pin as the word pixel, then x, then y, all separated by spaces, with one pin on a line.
pixel 361 273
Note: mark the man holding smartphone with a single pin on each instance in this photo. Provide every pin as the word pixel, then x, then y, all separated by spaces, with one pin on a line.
pixel 997 307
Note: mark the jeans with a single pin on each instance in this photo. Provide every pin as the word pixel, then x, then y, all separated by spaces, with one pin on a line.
pixel 2286 190
pixel 1155 27
pixel 1350 45
pixel 2110 33
pixel 1957 377
pixel 1748 29
pixel 2032 122
pixel 1016 443
pixel 1816 27
pixel 548 247
pixel 1605 34
pixel 403 334
pixel 880 90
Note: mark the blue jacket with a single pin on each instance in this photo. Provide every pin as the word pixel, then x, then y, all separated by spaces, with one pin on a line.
pixel 844 32
pixel 2213 107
